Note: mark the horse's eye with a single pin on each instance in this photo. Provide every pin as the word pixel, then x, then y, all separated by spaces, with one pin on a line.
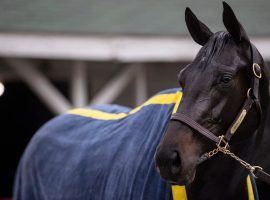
pixel 226 78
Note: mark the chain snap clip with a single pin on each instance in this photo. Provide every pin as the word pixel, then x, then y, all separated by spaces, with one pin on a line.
pixel 253 169
pixel 223 147
pixel 222 144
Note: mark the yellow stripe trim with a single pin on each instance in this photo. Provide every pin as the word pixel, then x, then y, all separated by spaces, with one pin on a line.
pixel 179 192
pixel 250 189
pixel 161 99
pixel 177 104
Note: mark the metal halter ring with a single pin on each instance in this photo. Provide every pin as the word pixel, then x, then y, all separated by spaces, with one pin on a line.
pixel 248 92
pixel 257 70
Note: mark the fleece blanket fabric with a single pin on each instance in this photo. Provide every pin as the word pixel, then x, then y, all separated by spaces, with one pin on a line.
pixel 102 152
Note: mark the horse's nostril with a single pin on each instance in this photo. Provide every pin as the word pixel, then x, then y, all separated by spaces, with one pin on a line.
pixel 176 158
pixel 168 163
pixel 176 162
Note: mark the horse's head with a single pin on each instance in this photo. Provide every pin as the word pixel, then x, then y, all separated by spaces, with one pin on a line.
pixel 214 87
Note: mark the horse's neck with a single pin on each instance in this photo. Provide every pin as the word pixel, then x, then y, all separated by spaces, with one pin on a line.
pixel 263 148
pixel 263 139
pixel 263 157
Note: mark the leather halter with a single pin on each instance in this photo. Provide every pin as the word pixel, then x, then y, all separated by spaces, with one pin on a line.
pixel 252 100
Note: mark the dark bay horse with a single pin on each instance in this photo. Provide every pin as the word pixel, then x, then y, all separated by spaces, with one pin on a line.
pixel 215 86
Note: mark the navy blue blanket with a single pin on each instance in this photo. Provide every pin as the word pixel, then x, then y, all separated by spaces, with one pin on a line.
pixel 99 153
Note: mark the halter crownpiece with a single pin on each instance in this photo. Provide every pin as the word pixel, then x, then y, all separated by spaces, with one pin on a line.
pixel 222 142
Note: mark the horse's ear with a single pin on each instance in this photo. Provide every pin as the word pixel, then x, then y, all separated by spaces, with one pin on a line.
pixel 198 30
pixel 232 24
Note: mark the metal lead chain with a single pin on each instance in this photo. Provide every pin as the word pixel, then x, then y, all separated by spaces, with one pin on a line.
pixel 223 147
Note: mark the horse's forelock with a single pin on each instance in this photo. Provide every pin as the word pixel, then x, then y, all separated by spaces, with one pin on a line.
pixel 213 48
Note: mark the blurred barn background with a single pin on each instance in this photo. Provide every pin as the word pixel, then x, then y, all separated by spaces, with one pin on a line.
pixel 56 55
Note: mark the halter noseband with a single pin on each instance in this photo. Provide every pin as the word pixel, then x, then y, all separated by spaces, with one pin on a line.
pixel 222 142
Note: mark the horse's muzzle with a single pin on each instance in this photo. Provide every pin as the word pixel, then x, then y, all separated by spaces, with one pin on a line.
pixel 168 164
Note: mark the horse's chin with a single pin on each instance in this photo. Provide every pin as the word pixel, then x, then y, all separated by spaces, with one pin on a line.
pixel 190 178
pixel 183 180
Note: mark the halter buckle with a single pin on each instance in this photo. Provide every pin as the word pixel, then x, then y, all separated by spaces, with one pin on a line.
pixel 222 143
pixel 257 70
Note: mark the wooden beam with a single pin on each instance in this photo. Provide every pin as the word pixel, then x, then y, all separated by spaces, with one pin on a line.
pixel 40 85
pixel 95 48
pixel 114 87
pixel 79 84
pixel 140 84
